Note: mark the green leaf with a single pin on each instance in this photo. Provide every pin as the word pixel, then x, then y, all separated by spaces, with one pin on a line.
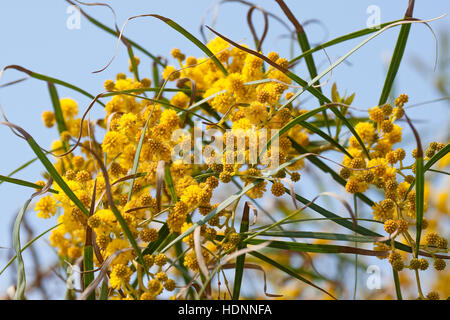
pixel 290 125
pixel 326 137
pixel 180 264
pixel 398 289
pixel 240 260
pixel 316 93
pixel 338 40
pixel 134 66
pixel 52 80
pixel 318 235
pixel 395 62
pixel 162 234
pixel 28 244
pixel 104 290
pixel 138 153
pixel 88 267
pixel 55 175
pixel 169 182
pixel 26 164
pixel 24 183
pixel 21 277
pixel 334 93
pixel 304 45
pixel 350 99
pixel 316 248
pixel 346 223
pixel 155 74
pixel 287 270
pixel 57 108
pixel 439 171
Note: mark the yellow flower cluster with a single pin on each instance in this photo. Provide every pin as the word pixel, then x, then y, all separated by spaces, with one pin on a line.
pixel 149 188
pixel 378 163
pixel 247 98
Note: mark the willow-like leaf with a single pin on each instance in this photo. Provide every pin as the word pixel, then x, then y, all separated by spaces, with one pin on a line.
pixel 57 108
pixel 24 183
pixel 287 271
pixel 319 235
pixel 240 261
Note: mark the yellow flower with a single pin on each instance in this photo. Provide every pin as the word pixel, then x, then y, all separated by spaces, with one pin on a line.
pixel 191 195
pixel 127 124
pixel 57 147
pixel 252 68
pixel 442 202
pixel 380 165
pixel 257 191
pixel 169 118
pixel 45 207
pixel 395 135
pixel 180 100
pixel 376 114
pixel 222 101
pixel 382 212
pixel 171 73
pixel 69 107
pixel 366 131
pixel 48 118
pixel 256 112
pixel 219 45
pixel 184 228
pixel 114 142
pixel 73 126
pixel 120 274
pixel 235 84
pixel 116 245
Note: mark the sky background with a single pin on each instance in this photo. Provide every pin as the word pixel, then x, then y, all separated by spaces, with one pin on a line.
pixel 35 35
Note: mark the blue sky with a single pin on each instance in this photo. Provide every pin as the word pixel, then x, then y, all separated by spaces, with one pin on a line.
pixel 34 35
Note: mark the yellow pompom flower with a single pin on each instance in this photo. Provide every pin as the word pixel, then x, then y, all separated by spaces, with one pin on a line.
pixel 379 166
pixel 45 207
pixel 191 195
pixel 220 47
pixel 256 112
pixel 442 203
pixel 171 73
pixel 169 118
pixel 69 107
pixel 177 216
pixel 180 100
pixel 114 142
pixel 376 114
pixel 128 124
pixel 48 118
pixel 366 131
pixel 116 245
pixel 120 274
pixel 395 135
pixel 57 147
